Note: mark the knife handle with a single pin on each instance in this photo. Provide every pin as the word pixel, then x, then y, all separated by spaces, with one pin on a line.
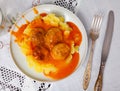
pixel 99 81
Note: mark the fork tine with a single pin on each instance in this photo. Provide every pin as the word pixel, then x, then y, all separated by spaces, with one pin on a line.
pixel 96 23
pixel 93 22
pixel 100 21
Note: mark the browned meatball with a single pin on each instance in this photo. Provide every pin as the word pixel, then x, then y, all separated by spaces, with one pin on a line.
pixel 37 36
pixel 53 36
pixel 40 53
pixel 60 51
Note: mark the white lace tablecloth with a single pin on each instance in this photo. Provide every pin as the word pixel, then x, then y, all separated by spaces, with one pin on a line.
pixel 11 78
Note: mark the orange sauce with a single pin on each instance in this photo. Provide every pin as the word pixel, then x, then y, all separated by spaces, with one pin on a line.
pixel 35 10
pixel 40 24
pixel 75 34
pixel 19 34
pixel 43 14
pixel 64 69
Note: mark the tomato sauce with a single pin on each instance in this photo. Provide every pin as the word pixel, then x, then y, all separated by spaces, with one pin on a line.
pixel 75 34
pixel 67 69
pixel 19 34
pixel 35 10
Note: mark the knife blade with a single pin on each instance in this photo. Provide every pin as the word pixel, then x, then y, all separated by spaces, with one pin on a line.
pixel 105 50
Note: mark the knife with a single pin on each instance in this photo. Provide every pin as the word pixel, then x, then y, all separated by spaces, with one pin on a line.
pixel 105 50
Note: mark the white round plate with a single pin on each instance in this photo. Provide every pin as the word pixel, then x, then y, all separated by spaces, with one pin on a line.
pixel 20 59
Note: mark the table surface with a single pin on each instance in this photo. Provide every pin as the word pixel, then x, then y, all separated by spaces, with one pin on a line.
pixel 85 10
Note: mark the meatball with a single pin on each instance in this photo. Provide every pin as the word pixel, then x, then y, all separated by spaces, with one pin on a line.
pixel 40 53
pixel 37 36
pixel 60 51
pixel 53 36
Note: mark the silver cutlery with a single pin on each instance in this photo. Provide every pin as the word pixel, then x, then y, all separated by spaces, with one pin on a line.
pixel 94 34
pixel 105 50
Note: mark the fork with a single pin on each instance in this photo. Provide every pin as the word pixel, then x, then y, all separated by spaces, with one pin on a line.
pixel 94 34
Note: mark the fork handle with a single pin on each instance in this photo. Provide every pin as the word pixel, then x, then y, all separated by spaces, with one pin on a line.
pixel 87 74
